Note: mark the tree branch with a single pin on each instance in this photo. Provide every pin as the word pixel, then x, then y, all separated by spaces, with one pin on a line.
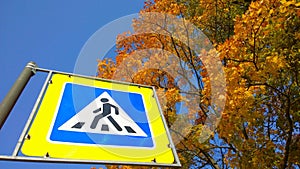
pixel 290 134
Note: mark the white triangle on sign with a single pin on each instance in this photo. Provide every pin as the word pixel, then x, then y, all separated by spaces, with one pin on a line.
pixel 111 119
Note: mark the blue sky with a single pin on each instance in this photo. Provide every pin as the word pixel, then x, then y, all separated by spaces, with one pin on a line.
pixel 52 33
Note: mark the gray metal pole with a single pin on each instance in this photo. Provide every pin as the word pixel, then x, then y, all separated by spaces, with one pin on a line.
pixel 12 96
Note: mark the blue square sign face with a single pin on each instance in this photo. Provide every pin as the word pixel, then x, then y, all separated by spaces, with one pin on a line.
pixel 97 116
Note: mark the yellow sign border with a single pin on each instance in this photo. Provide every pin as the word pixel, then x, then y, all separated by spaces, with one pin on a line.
pixel 38 144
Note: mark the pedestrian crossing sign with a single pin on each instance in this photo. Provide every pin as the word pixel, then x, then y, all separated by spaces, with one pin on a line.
pixel 94 119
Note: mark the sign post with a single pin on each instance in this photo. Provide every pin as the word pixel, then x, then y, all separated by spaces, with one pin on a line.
pixel 12 96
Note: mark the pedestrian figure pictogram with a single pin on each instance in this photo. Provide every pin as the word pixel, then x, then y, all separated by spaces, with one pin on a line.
pixel 106 112
pixel 103 116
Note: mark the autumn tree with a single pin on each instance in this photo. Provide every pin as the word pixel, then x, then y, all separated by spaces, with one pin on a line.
pixel 264 59
pixel 259 51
